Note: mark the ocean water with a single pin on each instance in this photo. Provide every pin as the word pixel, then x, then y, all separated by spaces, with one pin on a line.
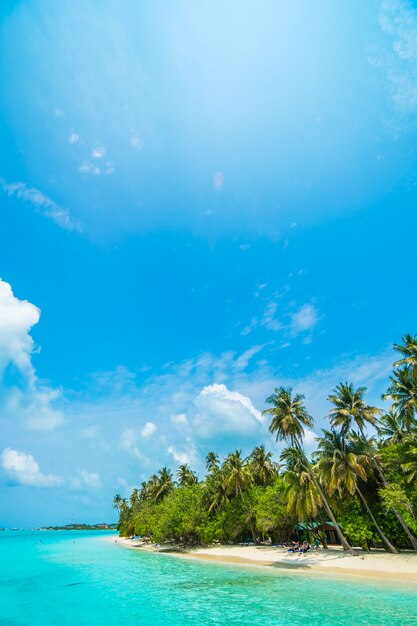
pixel 80 579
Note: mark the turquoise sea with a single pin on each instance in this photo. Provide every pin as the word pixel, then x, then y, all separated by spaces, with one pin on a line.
pixel 79 578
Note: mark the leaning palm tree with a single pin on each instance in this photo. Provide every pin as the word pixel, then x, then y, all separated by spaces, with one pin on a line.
pixel 264 469
pixel 186 476
pixel 368 447
pixel 408 350
pixel 403 392
pixel 237 473
pixel 349 409
pixel 341 468
pixel 289 416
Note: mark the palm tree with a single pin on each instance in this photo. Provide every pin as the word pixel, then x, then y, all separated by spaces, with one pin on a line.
pixel 144 490
pixel 368 447
pixel 218 494
pixel 237 473
pixel 289 415
pixel 185 475
pixel 349 408
pixel 341 468
pixel 134 497
pixel 303 499
pixel 391 427
pixel 408 349
pixel 164 484
pixel 117 501
pixel 212 462
pixel 264 470
pixel 403 392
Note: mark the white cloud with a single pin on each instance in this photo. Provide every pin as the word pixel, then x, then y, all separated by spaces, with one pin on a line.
pixel 131 440
pixel 24 470
pixel 221 411
pixel 180 419
pixel 34 406
pixel 148 430
pixel 89 168
pixel 136 141
pixel 74 138
pixel 269 320
pixel 16 319
pixel 98 152
pixel 33 403
pixel 304 319
pixel 398 19
pixel 243 360
pixel 179 457
pixel 87 480
pixel 309 440
pixel 43 205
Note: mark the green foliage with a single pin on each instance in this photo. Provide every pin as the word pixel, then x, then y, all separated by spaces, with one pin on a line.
pixel 366 487
pixel 272 517
pixel 357 526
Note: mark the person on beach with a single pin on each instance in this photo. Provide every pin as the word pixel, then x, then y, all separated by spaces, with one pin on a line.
pixel 295 547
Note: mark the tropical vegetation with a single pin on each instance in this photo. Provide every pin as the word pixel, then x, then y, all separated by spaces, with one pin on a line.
pixel 361 479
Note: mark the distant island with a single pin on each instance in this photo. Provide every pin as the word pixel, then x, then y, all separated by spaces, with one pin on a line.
pixel 81 527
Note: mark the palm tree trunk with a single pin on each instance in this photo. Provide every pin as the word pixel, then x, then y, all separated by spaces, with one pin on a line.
pixel 389 545
pixel 398 515
pixel 329 512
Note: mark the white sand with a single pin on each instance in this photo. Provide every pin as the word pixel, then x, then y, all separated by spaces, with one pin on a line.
pixel 377 564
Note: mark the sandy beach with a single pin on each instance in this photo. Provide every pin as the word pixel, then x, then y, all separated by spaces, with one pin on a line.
pixel 377 564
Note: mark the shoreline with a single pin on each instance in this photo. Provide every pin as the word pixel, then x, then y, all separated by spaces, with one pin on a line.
pixel 377 565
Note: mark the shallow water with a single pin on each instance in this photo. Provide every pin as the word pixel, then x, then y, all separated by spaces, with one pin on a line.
pixel 79 579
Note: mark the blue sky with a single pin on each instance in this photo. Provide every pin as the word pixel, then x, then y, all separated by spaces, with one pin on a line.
pixel 199 202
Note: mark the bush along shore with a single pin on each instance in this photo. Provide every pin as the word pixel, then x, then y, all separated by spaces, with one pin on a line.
pixel 358 488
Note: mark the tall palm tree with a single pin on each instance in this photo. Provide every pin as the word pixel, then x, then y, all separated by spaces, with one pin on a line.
pixel 117 501
pixel 391 427
pixel 303 499
pixel 341 468
pixel 185 475
pixel 349 409
pixel 237 472
pixel 289 415
pixel 403 392
pixel 264 469
pixel 212 462
pixel 408 350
